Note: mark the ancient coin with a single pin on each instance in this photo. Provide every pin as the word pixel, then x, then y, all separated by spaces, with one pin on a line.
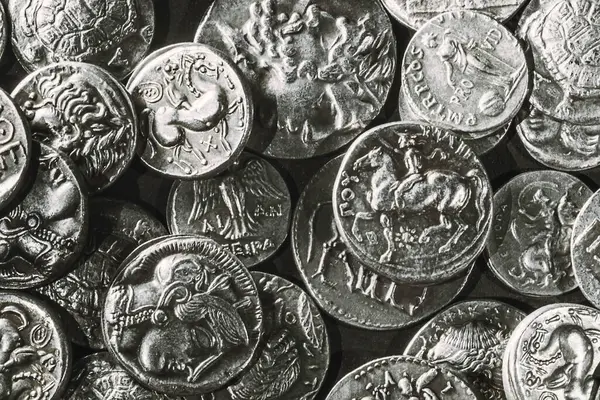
pixel 320 70
pixel 464 71
pixel 116 229
pixel 341 285
pixel 529 248
pixel 246 209
pixel 4 29
pixel 469 337
pixel 82 111
pixel 35 355
pixel 183 316
pixel 44 231
pixel 401 377
pixel 195 108
pixel 413 203
pixel 113 34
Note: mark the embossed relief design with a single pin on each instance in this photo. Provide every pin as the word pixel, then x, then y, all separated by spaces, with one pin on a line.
pixel 420 11
pixel 14 152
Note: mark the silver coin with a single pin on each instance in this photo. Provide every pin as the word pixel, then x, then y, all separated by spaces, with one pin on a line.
pixel 466 72
pixel 183 316
pixel 320 70
pixel 413 203
pixel 113 34
pixel 401 377
pixel 469 337
pixel 341 285
pixel 196 111
pixel 529 248
pixel 246 209
pixel 82 111
pixel 4 29
pixel 116 229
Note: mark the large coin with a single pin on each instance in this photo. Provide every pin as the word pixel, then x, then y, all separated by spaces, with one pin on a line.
pixel 413 202
pixel 116 229
pixel 529 248
pixel 320 70
pixel 82 111
pixel 183 316
pixel 45 231
pixel 196 111
pixel 342 285
pixel 464 71
pixel 114 34
pixel 246 209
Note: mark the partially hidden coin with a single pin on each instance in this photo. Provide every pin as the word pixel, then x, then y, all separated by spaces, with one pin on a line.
pixel 529 248
pixel 4 29
pixel 320 70
pixel 246 209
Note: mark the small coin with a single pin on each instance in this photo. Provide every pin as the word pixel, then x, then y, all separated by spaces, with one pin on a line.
pixel 44 232
pixel 466 72
pixel 413 203
pixel 35 355
pixel 320 70
pixel 113 34
pixel 195 108
pixel 529 248
pixel 82 111
pixel 116 229
pixel 469 337
pixel 342 286
pixel 246 209
pixel 183 316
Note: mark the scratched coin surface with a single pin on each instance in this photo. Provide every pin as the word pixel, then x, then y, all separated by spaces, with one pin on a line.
pixel 82 111
pixel 464 71
pixel 183 316
pixel 413 203
pixel 113 34
pixel 320 70
pixel 35 354
pixel 529 248
pixel 196 111
pixel 469 337
pixel 44 232
pixel 341 285
pixel 246 209
pixel 116 229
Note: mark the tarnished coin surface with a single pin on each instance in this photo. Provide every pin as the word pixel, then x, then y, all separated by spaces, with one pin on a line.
pixel 116 229
pixel 401 377
pixel 45 231
pixel 195 108
pixel 35 355
pixel 113 34
pixel 183 316
pixel 469 337
pixel 246 209
pixel 529 248
pixel 320 70
pixel 413 203
pixel 464 71
pixel 82 111
pixel 341 285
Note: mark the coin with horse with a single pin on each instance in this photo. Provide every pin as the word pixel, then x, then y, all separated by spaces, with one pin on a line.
pixel 413 203
pixel 183 316
pixel 196 111
pixel 320 70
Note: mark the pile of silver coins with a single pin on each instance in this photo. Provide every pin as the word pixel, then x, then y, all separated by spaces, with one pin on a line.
pixel 299 200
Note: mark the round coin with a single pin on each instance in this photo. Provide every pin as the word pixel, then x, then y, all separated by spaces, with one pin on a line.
pixel 113 34
pixel 246 209
pixel 82 111
pixel 183 316
pixel 320 70
pixel 413 203
pixel 529 248
pixel 195 108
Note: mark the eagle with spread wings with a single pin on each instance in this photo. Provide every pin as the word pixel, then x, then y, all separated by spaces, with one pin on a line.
pixel 232 190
